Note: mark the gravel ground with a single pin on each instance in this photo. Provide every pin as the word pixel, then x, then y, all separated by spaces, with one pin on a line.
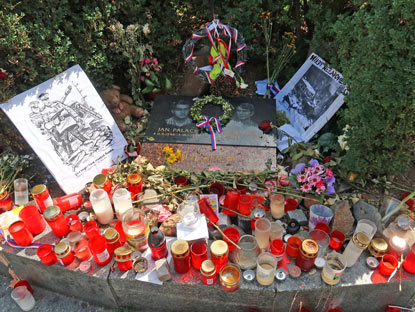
pixel 45 300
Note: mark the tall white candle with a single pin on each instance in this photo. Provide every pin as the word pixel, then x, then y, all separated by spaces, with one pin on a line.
pixel 102 206
pixel 122 201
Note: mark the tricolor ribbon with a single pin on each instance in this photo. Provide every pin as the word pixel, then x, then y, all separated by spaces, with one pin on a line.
pixel 206 124
pixel 12 243
pixel 273 89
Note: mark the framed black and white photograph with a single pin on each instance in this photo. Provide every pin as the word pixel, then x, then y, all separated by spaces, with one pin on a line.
pixel 311 97
pixel 170 122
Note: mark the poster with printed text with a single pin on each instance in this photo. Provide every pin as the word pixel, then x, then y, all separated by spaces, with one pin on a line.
pixel 69 127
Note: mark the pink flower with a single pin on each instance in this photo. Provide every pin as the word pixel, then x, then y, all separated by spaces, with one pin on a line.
pixel 147 60
pixel 148 74
pixel 157 69
pixel 155 61
pixel 319 169
pixel 283 181
pixel 320 190
pixel 142 78
pixel 306 188
pixel 314 179
pixel 320 184
pixel 312 169
pixel 329 173
pixel 302 178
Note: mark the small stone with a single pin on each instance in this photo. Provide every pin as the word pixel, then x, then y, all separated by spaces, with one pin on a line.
pixel 363 210
pixel 310 200
pixel 168 227
pixel 298 215
pixel 149 193
pixel 162 268
pixel 343 219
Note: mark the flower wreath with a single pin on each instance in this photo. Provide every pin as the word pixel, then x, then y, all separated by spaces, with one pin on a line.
pixel 196 109
pixel 220 52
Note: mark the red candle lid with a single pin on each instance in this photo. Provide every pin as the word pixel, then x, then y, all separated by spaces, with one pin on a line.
pixel 24 283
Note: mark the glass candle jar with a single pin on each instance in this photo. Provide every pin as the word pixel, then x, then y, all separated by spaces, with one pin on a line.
pixel 181 256
pixel 219 253
pixel 69 202
pixel 134 184
pixel 122 201
pixel 42 197
pixel 98 247
pixel 293 246
pixel 101 181
pixel 262 230
pixel 64 253
pixel 265 270
pixel 322 239
pixel 366 226
pixel 91 229
pixel 245 204
pixel 6 202
pixel 233 235
pixel 198 252
pixel 319 213
pixel 21 191
pixel 113 239
pixel 46 254
pixel 23 298
pixel 231 202
pixel 307 256
pixel 82 251
pixel 409 262
pixel 208 272
pixel 188 212
pixel 277 249
pixel 102 206
pixel 20 233
pixel 277 231
pixel 73 237
pixel 56 221
pixel 336 240
pixel 74 222
pixel 256 213
pixel 246 256
pixel 123 258
pixel 277 206
pixel 333 268
pixel 136 229
pixel 32 219
pixel 378 247
pixel 354 249
pixel 230 277
pixel 157 243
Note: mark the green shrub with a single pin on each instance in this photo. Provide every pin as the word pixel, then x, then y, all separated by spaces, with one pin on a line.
pixel 377 59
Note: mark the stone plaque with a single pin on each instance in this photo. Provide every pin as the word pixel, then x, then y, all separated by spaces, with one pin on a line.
pixel 196 158
pixel 170 122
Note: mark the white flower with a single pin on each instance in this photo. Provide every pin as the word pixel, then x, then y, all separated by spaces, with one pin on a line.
pixel 146 29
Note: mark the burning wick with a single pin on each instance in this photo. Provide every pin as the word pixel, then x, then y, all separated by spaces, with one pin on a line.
pixel 399 243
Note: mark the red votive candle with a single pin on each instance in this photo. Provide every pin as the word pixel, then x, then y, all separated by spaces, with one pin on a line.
pixel 98 247
pixel 245 204
pixel 230 277
pixel 123 258
pixel 56 221
pixel 46 254
pixel 120 230
pixel 322 226
pixel 198 251
pixel 208 272
pixel 219 253
pixel 64 253
pixel 32 219
pixel 69 202
pixel 207 210
pixel 20 233
pixel 293 246
pixel 277 248
pixel 6 202
pixel 216 188
pixel 409 262
pixel 82 251
pixel 307 255
pixel 290 204
pixel 231 202
pixel 42 197
pixel 181 256
pixel 336 240
pixel 233 234
pixel 134 184
pixel 101 181
pixel 91 229
pixel 387 264
pixel 113 239
pixel 181 180
pixel 74 223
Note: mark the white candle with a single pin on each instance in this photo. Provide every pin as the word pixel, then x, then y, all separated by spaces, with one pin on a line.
pixel 122 201
pixel 102 206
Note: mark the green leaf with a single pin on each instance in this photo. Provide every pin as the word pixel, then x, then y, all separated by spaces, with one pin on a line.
pixel 147 90
pixel 297 156
pixel 149 83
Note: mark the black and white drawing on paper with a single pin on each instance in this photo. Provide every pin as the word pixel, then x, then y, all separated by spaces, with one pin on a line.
pixel 170 122
pixel 310 98
pixel 69 127
pixel 75 129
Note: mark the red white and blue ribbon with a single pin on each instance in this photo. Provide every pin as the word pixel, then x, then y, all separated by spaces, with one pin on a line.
pixel 13 244
pixel 206 124
pixel 273 89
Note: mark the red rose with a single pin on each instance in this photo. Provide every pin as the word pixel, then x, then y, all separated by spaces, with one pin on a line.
pixel 265 126
pixel 327 159
pixel 3 75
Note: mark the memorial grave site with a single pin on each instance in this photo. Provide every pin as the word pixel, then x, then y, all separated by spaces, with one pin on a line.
pixel 207 156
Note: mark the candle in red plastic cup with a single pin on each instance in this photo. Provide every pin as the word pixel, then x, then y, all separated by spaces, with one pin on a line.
pixel 82 251
pixel 98 247
pixel 74 223
pixel 57 222
pixel 277 248
pixel 409 262
pixel 120 230
pixel 293 246
pixel 181 256
pixel 231 202
pixel 20 233
pixel 207 210
pixel 290 204
pixel 180 180
pixel 387 264
pixel 245 204
pixel 91 229
pixel 233 234
pixel 336 240
pixel 198 252
pixel 322 226
pixel 32 219
pixel 46 254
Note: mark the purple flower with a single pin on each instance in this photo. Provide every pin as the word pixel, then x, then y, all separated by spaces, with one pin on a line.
pixel 330 189
pixel 313 162
pixel 298 168
pixel 330 181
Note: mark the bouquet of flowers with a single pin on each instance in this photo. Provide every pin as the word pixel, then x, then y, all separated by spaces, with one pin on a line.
pixel 315 178
pixel 152 77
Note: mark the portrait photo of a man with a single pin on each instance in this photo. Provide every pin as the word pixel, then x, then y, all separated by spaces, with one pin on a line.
pixel 180 111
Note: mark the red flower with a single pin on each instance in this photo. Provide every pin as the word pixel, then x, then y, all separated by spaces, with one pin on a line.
pixel 327 159
pixel 409 202
pixel 3 75
pixel 265 126
pixel 320 184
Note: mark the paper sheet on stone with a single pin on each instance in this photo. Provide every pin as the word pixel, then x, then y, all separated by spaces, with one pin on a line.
pixel 310 99
pixel 150 276
pixel 69 127
pixel 199 232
